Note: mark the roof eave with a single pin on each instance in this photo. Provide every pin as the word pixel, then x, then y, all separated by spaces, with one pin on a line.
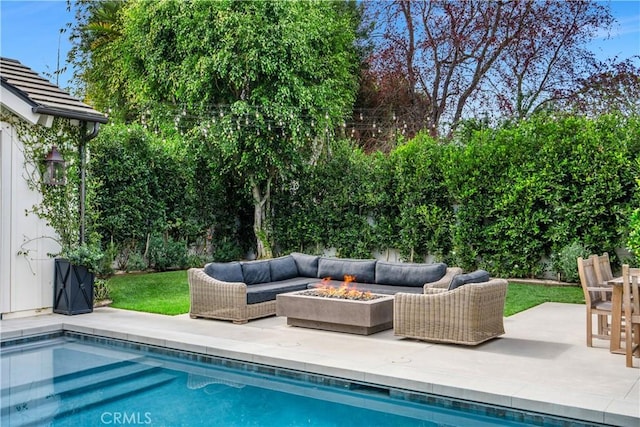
pixel 18 93
pixel 77 115
pixel 56 112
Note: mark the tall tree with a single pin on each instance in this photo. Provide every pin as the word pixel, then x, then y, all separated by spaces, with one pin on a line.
pixel 95 53
pixel 263 81
pixel 461 59
pixel 547 60
pixel 614 86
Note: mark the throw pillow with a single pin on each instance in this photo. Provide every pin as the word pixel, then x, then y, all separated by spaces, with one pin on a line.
pixel 307 264
pixel 408 274
pixel 225 271
pixel 477 276
pixel 256 272
pixel 283 268
pixel 363 269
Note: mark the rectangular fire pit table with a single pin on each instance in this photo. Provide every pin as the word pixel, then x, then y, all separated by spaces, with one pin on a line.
pixel 335 314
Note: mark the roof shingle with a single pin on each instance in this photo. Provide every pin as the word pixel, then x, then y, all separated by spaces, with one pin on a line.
pixel 44 97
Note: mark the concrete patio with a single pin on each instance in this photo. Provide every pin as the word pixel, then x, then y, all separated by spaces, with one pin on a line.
pixel 541 364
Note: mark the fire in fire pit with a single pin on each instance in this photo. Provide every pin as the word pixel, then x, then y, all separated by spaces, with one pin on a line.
pixel 342 292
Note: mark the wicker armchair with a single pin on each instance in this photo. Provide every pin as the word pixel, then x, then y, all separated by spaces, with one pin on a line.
pixel 468 315
pixel 214 299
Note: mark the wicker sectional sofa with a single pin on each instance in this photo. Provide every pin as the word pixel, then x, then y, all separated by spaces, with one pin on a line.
pixel 242 291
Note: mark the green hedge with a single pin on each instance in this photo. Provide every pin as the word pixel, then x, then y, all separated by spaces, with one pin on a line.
pixel 153 196
pixel 510 200
pixel 507 199
pixel 528 190
pixel 633 240
pixel 326 206
pixel 128 185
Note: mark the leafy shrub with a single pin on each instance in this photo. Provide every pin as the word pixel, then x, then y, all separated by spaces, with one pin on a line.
pixel 100 290
pixel 135 262
pixel 105 266
pixel 130 258
pixel 227 250
pixel 87 255
pixel 565 262
pixel 166 253
pixel 196 260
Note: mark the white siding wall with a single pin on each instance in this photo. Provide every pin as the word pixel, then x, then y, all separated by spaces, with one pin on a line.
pixel 26 281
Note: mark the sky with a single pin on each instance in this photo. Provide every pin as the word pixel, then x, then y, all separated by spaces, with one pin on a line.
pixel 30 33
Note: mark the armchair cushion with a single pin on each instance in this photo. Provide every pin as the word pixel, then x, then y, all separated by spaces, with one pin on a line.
pixel 283 268
pixel 408 274
pixel 478 276
pixel 256 272
pixel 225 271
pixel 307 264
pixel 337 268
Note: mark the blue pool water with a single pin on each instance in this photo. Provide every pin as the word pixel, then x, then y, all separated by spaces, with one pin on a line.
pixel 76 380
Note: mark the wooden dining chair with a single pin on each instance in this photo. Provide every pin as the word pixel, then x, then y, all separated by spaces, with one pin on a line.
pixel 631 307
pixel 597 299
pixel 603 273
pixel 603 269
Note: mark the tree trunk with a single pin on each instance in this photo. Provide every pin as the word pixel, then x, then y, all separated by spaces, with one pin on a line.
pixel 261 229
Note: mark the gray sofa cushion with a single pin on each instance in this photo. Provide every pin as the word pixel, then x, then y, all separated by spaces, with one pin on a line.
pixel 477 276
pixel 283 268
pixel 256 272
pixel 408 274
pixel 267 291
pixel 307 264
pixel 225 271
pixel 337 268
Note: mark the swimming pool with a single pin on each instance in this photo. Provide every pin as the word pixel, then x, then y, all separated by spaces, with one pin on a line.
pixel 66 379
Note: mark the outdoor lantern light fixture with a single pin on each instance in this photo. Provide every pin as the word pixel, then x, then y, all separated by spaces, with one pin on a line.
pixel 55 168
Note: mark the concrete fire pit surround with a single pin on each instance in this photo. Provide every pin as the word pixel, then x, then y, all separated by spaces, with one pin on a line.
pixel 335 314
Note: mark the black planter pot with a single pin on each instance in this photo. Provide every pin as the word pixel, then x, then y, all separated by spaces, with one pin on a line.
pixel 73 288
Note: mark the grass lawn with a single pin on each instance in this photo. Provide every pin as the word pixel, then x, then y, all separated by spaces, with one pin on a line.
pixel 523 296
pixel 164 293
pixel 168 293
